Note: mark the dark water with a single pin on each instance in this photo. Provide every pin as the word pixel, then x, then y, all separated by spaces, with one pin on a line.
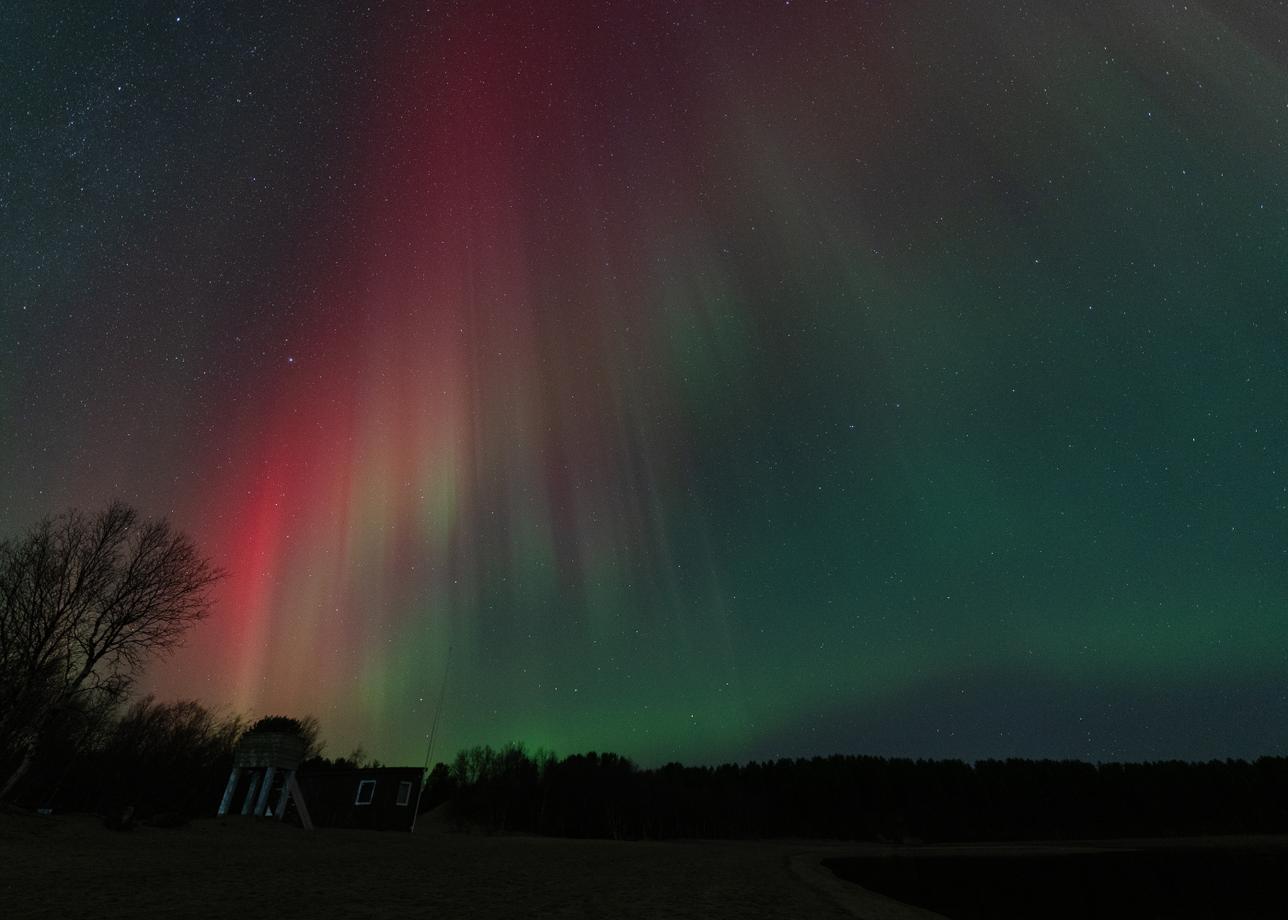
pixel 1174 883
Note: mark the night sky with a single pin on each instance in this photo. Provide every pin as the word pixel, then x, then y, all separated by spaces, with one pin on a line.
pixel 717 380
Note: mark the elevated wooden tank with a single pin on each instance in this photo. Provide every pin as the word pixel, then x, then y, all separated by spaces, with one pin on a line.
pixel 269 759
pixel 269 749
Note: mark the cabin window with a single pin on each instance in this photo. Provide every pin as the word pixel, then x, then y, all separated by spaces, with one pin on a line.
pixel 366 792
pixel 404 793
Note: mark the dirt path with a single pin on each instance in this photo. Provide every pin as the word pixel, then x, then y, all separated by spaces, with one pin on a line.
pixel 857 901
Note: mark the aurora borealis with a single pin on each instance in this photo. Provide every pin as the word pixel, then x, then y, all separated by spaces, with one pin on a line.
pixel 717 380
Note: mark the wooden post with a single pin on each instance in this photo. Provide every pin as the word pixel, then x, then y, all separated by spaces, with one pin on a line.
pixel 227 800
pixel 262 801
pixel 281 799
pixel 250 793
pixel 303 809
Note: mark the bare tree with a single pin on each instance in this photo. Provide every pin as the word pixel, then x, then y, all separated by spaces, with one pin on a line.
pixel 85 602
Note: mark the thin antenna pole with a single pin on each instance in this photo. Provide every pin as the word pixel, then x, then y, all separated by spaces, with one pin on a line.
pixel 433 730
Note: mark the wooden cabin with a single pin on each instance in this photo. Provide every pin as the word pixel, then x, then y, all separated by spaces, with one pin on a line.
pixel 379 798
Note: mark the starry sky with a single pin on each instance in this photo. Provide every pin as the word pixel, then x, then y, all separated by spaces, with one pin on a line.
pixel 716 379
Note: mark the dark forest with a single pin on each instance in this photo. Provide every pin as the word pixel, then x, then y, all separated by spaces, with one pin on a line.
pixel 169 762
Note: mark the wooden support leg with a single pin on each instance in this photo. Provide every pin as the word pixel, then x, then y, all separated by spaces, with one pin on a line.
pixel 303 809
pixel 250 793
pixel 227 800
pixel 262 801
pixel 281 799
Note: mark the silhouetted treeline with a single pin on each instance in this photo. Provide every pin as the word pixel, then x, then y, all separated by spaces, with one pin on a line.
pixel 172 759
pixel 859 798
pixel 156 758
pixel 168 760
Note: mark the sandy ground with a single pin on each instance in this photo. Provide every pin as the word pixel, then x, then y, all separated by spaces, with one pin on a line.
pixel 72 866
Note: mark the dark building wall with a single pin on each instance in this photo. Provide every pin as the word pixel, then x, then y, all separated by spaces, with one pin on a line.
pixel 331 796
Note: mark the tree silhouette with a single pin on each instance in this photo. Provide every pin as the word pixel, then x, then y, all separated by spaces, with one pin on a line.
pixel 85 602
pixel 308 729
pixel 859 798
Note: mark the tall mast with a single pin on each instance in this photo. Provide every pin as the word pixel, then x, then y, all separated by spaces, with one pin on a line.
pixel 438 711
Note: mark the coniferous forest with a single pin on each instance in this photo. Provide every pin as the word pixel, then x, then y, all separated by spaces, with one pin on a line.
pixel 859 798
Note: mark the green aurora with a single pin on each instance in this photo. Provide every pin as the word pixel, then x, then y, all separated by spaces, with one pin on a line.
pixel 715 381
